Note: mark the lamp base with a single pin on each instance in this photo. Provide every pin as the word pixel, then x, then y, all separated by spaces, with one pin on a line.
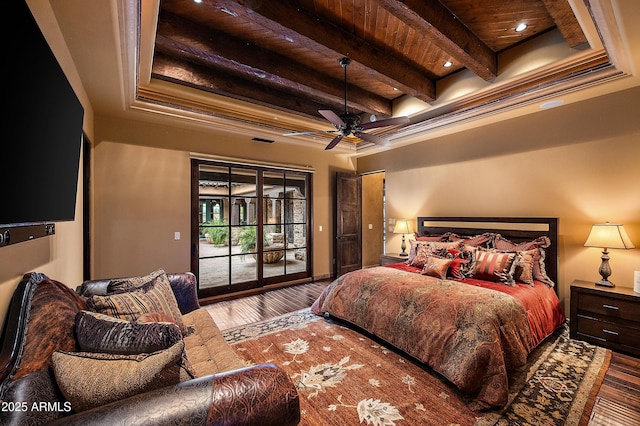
pixel 605 283
pixel 403 254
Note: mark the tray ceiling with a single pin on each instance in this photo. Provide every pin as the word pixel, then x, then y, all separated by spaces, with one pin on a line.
pixel 283 56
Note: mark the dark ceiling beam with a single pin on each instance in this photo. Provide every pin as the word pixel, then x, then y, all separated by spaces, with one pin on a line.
pixel 199 77
pixel 566 22
pixel 195 43
pixel 436 23
pixel 288 19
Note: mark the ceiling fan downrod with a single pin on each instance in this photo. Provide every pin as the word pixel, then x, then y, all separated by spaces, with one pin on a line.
pixel 344 63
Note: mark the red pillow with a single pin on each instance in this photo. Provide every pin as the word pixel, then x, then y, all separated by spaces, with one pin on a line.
pixel 458 268
pixel 494 266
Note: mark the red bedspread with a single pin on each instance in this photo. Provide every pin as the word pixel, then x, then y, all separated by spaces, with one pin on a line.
pixel 544 312
pixel 471 334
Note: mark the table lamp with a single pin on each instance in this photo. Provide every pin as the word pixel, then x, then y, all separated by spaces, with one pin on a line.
pixel 402 227
pixel 607 235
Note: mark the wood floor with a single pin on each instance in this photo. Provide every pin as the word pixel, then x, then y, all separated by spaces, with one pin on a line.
pixel 275 303
pixel 617 402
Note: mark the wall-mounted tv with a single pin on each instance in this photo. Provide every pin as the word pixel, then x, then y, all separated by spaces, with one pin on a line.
pixel 39 166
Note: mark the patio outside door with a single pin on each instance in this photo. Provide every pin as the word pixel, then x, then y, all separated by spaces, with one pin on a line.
pixel 251 226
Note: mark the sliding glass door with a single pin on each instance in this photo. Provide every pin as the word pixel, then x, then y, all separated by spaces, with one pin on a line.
pixel 251 226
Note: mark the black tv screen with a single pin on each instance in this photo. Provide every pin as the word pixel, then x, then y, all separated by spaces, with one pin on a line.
pixel 41 152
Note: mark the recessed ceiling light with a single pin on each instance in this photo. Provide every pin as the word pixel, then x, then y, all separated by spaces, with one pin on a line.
pixel 447 64
pixel 521 27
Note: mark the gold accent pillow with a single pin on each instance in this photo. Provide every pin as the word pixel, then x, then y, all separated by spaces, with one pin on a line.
pixel 524 266
pixel 89 380
pixel 436 267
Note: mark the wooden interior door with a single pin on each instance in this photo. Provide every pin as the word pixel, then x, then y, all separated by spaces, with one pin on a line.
pixel 348 239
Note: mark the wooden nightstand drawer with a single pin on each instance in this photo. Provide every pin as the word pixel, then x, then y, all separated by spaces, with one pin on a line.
pixel 608 306
pixel 608 317
pixel 607 331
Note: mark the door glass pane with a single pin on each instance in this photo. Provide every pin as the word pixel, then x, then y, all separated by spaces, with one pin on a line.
pixel 214 272
pixel 296 260
pixel 243 268
pixel 213 226
pixel 243 197
pixel 273 260
pixel 273 196
pixel 296 185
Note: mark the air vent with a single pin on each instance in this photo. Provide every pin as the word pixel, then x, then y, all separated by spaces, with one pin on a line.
pixel 262 140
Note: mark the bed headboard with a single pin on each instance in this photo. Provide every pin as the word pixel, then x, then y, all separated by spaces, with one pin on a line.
pixel 516 229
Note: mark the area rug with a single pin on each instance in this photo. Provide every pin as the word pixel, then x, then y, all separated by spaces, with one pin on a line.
pixel 346 378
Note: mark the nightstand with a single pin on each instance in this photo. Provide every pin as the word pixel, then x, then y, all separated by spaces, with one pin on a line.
pixel 386 259
pixel 608 317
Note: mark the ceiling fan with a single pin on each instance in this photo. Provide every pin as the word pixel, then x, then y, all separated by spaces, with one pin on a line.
pixel 348 123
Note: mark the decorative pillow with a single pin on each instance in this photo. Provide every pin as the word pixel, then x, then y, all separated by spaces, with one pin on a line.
pixel 154 296
pixel 413 249
pixel 436 267
pixel 121 285
pixel 97 332
pixel 455 245
pixel 425 250
pixel 155 317
pixel 538 245
pixel 473 241
pixel 523 267
pixel 89 380
pixel 494 266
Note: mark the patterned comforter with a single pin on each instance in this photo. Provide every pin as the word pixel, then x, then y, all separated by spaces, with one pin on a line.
pixel 470 334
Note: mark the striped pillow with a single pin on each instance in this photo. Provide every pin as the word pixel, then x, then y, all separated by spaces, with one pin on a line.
pixel 494 266
pixel 154 296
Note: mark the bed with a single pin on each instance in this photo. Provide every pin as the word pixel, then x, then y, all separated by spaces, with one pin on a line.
pixel 474 298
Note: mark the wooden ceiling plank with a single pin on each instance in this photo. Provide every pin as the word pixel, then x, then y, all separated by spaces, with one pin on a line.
pixel 566 22
pixel 436 22
pixel 382 65
pixel 177 37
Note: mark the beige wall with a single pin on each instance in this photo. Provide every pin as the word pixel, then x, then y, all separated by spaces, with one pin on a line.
pixel 59 256
pixel 142 193
pixel 581 184
pixel 372 216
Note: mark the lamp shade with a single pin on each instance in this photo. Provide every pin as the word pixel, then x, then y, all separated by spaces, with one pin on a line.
pixel 402 227
pixel 608 235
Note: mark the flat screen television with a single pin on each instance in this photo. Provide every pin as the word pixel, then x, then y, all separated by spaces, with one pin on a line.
pixel 41 156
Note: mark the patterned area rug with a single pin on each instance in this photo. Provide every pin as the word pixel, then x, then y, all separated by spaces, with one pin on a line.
pixel 346 378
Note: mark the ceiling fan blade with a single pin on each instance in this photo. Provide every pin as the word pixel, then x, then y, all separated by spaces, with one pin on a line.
pixel 388 122
pixel 372 138
pixel 316 132
pixel 334 142
pixel 332 117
